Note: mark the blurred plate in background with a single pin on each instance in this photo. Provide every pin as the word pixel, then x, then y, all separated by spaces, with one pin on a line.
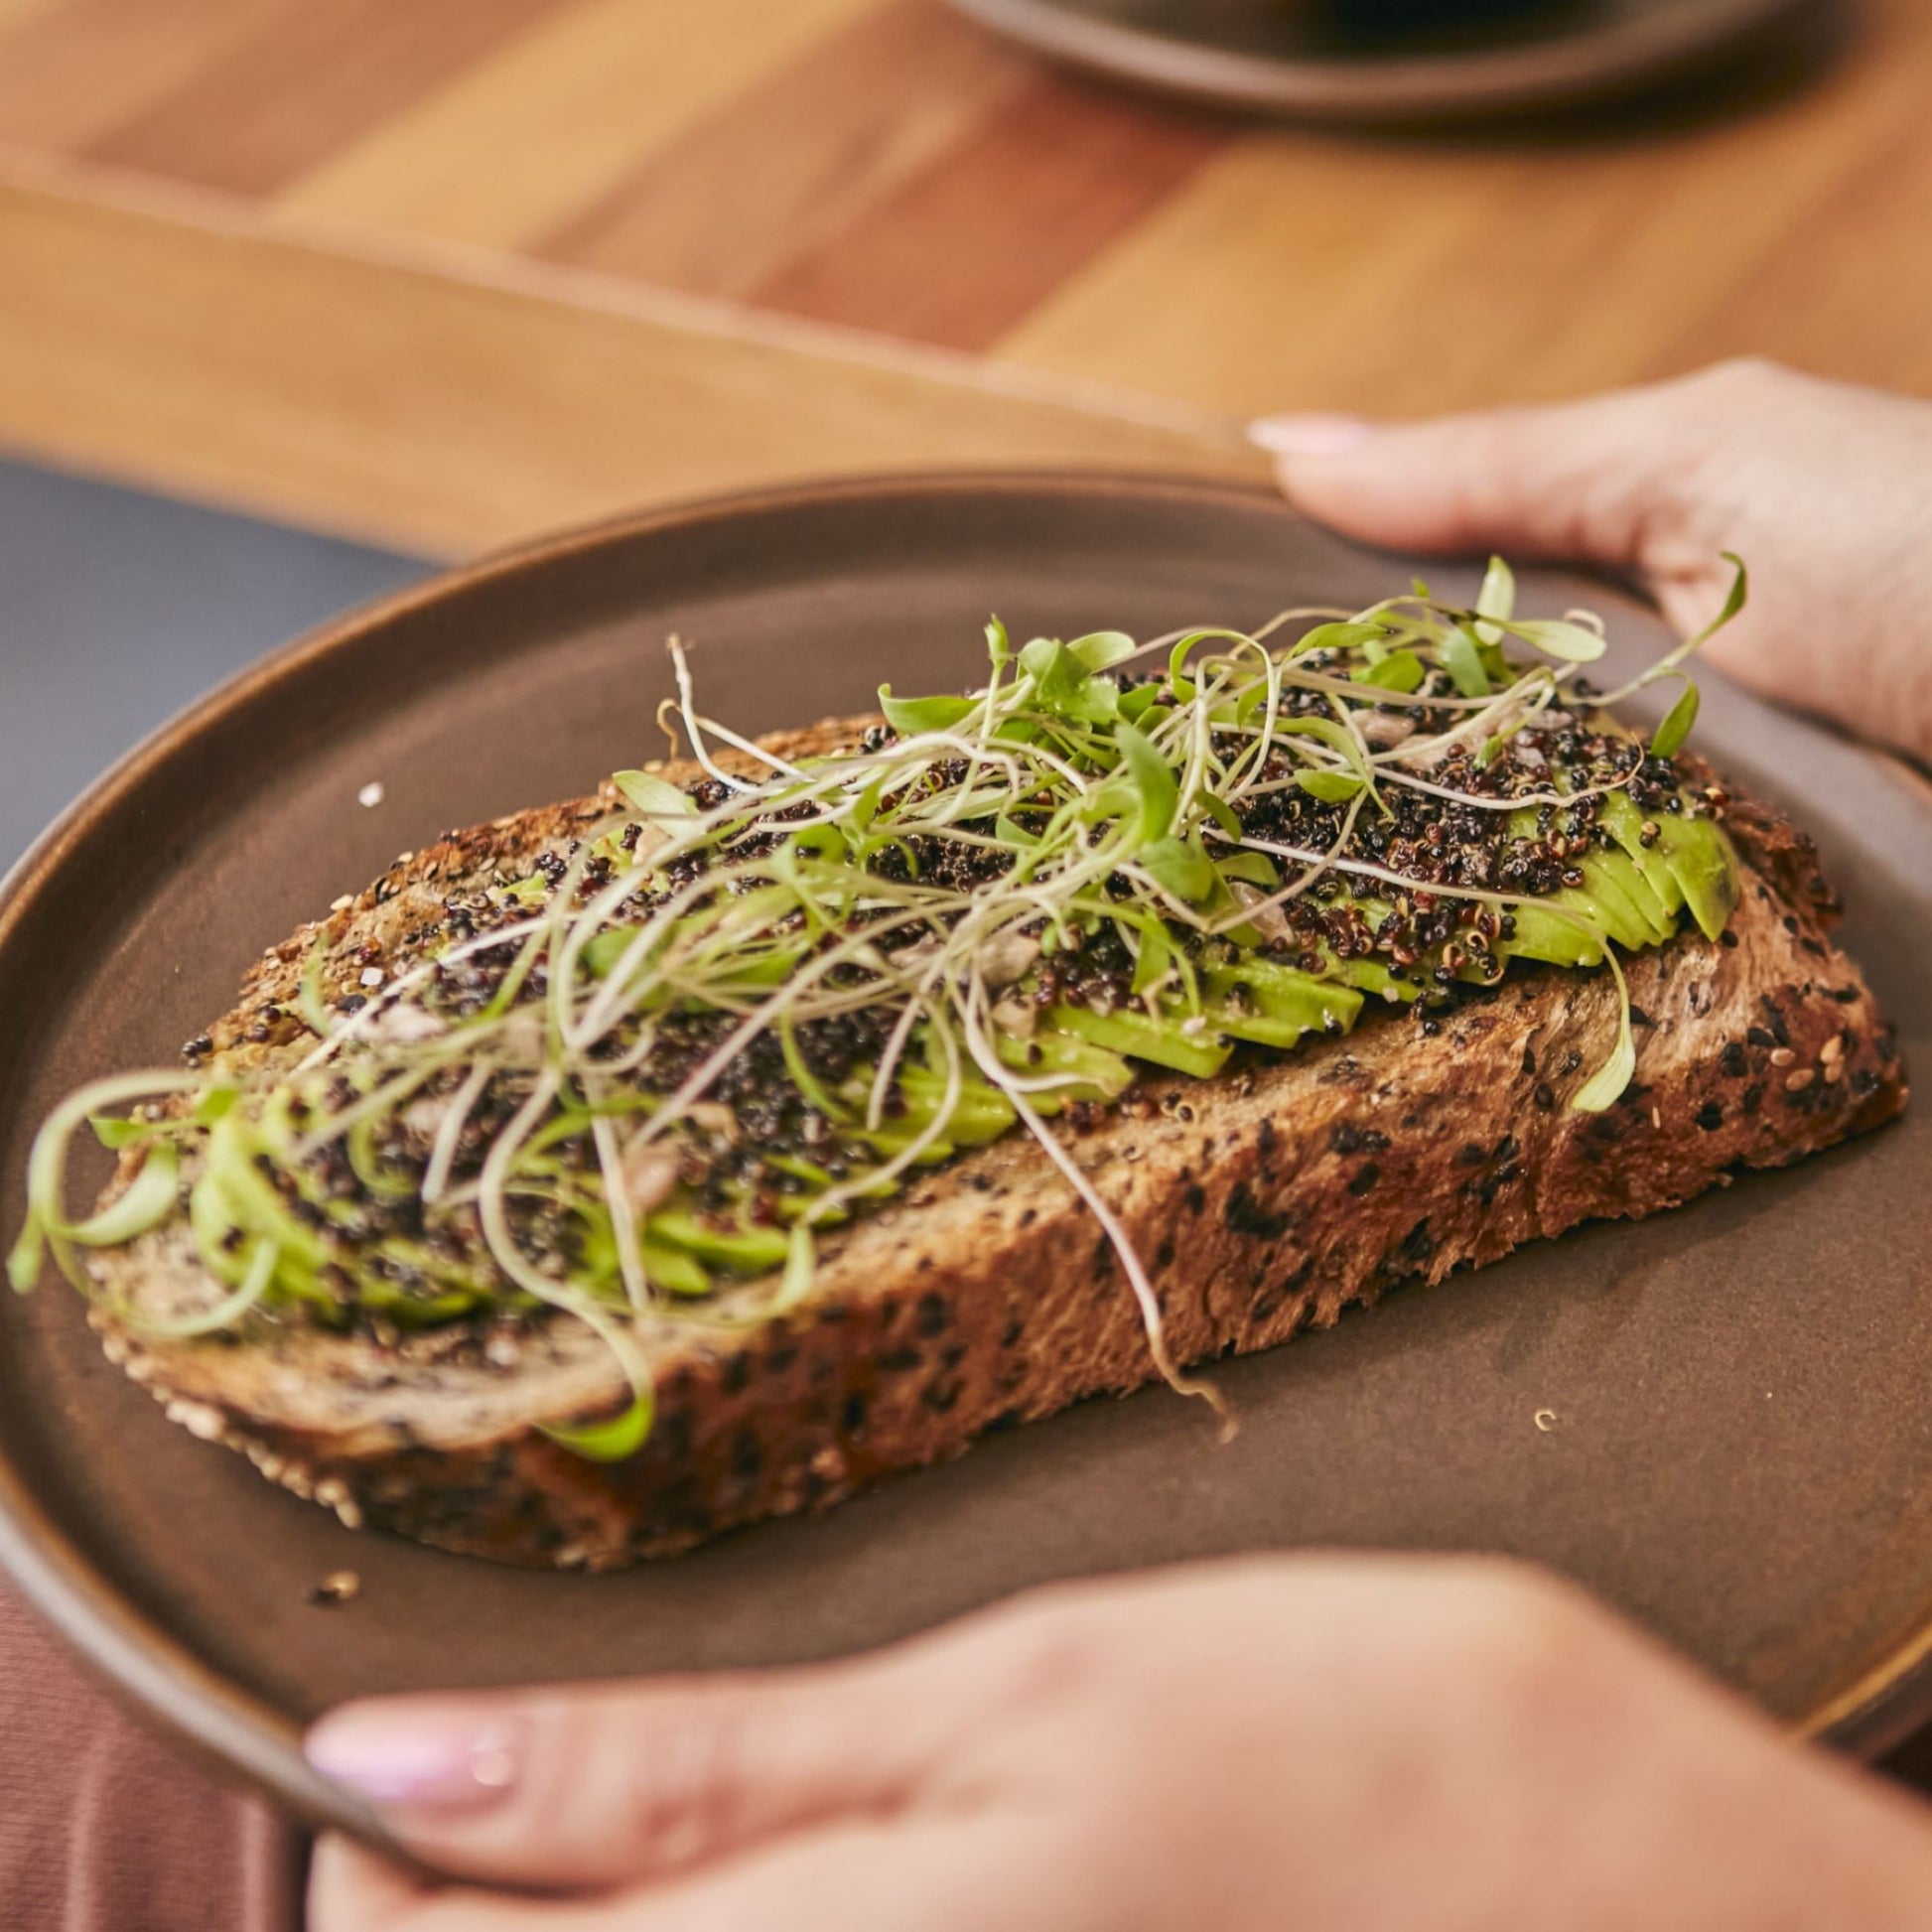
pixel 1393 60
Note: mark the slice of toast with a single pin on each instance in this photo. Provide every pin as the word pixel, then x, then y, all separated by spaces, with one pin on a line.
pixel 1260 1200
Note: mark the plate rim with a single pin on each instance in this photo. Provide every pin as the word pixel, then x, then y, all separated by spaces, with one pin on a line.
pixel 145 1666
pixel 1410 88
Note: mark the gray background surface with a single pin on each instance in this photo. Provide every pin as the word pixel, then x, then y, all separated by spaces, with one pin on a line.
pixel 117 607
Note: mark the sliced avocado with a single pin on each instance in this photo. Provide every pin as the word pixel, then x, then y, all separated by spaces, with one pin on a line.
pixel 1257 1028
pixel 1616 865
pixel 409 1310
pixel 1159 1041
pixel 1539 934
pixel 892 1142
pixel 1618 815
pixel 1608 900
pixel 1613 906
pixel 746 1250
pixel 1371 976
pixel 798 1168
pixel 1702 862
pixel 799 1207
pixel 1284 996
pixel 1482 969
pixel 980 1112
pixel 817 1180
pixel 1093 1072
pixel 679 1274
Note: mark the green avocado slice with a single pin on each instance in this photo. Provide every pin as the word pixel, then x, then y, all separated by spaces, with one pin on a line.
pixel 1601 897
pixel 1615 865
pixel 1541 935
pixel 1093 1072
pixel 748 1251
pixel 1371 976
pixel 1612 905
pixel 1619 816
pixel 1285 995
pixel 1702 862
pixel 1159 1041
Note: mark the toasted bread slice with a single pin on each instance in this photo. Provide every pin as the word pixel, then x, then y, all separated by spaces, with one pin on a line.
pixel 1261 1201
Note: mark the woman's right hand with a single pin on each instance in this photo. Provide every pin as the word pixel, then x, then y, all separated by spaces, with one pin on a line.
pixel 1368 1743
pixel 1824 489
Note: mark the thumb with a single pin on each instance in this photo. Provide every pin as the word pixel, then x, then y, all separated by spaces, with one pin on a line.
pixel 1604 481
pixel 591 1786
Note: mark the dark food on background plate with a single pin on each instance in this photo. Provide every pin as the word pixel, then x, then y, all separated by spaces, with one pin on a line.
pixel 629 1170
pixel 1372 17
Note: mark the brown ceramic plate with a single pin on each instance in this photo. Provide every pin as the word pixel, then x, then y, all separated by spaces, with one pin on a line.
pixel 1301 57
pixel 1740 1457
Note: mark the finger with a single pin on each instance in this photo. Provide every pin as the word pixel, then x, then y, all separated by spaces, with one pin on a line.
pixel 352 1890
pixel 1598 480
pixel 954 1876
pixel 595 1785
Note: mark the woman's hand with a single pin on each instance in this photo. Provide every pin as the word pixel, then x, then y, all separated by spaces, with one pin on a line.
pixel 1825 491
pixel 1381 1744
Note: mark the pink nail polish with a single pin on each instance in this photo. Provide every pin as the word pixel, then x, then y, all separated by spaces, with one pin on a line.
pixel 420 1762
pixel 1294 436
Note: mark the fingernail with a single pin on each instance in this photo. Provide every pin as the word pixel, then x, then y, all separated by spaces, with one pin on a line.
pixel 1308 434
pixel 421 1763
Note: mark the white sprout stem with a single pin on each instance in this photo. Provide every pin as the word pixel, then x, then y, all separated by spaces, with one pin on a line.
pixel 1148 1301
pixel 687 710
pixel 373 1105
pixel 493 1189
pixel 929 1136
pixel 359 1021
pixel 623 1216
pixel 1316 868
pixel 1509 804
pixel 758 1020
pixel 1478 895
pixel 910 1015
pixel 449 1132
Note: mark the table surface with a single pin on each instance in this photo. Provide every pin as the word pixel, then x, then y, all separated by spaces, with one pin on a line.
pixel 447 273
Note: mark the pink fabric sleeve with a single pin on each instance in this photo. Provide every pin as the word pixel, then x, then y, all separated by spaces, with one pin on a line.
pixel 105 1829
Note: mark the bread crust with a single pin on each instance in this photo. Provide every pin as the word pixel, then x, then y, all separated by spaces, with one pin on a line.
pixel 1263 1201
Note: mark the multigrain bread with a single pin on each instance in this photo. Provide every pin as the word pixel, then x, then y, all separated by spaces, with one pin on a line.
pixel 1262 1201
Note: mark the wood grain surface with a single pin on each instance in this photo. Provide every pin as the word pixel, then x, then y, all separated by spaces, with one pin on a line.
pixel 377 241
